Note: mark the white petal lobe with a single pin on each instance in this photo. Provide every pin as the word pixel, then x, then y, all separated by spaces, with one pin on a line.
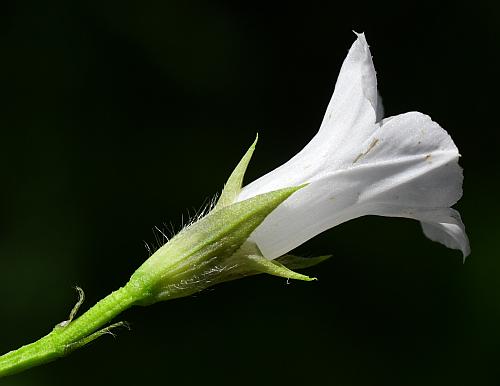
pixel 448 230
pixel 407 168
pixel 357 165
pixel 349 119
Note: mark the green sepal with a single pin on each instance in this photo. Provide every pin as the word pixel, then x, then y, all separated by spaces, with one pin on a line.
pixel 298 262
pixel 249 261
pixel 232 188
pixel 199 255
pixel 275 268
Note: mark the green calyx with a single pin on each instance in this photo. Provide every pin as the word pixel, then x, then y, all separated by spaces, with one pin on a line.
pixel 194 258
pixel 212 250
pixel 215 248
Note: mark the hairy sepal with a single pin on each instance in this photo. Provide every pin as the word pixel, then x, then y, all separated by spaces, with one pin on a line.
pixel 200 255
pixel 249 261
pixel 232 188
pixel 298 262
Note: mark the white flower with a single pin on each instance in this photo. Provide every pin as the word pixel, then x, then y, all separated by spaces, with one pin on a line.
pixel 360 164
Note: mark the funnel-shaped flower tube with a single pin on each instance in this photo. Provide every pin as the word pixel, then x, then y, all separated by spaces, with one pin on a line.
pixel 360 164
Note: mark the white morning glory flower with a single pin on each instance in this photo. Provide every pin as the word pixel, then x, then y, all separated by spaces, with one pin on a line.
pixel 360 164
pixel 357 164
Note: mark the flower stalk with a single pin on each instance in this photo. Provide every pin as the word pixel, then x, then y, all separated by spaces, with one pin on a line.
pixel 64 339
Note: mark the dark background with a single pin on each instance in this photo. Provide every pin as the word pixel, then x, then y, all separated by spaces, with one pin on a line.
pixel 116 117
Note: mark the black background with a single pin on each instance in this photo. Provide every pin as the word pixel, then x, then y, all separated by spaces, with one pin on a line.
pixel 120 116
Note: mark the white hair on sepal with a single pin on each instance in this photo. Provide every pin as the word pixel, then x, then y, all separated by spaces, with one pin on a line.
pixel 148 248
pixel 206 207
pixel 162 234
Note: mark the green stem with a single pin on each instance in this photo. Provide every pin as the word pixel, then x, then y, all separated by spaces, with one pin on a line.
pixel 64 339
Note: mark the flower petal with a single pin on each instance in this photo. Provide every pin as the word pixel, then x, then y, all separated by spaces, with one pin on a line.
pixel 354 103
pixel 349 119
pixel 448 230
pixel 408 167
